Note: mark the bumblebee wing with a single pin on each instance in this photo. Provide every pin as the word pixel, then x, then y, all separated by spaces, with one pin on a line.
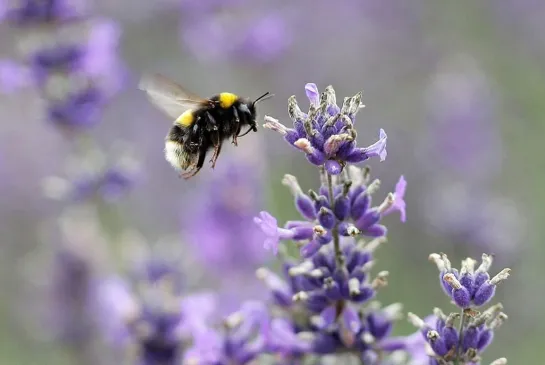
pixel 168 96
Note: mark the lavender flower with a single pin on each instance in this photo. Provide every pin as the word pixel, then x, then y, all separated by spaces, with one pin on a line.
pixel 448 342
pixel 325 303
pixel 242 339
pixel 151 318
pixel 93 176
pixel 75 277
pixel 460 99
pixel 468 287
pixel 324 299
pixel 342 209
pixel 464 165
pixel 71 60
pixel 326 133
pixel 220 226
pixel 211 33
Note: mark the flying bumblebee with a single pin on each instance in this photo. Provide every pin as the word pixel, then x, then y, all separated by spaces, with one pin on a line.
pixel 199 124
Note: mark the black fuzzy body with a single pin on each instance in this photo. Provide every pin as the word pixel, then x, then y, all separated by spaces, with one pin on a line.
pixel 212 125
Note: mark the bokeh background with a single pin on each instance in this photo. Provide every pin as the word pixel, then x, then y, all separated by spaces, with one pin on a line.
pixel 458 86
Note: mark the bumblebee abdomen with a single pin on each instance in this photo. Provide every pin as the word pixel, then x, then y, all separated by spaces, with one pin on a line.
pixel 186 119
pixel 176 155
pixel 227 100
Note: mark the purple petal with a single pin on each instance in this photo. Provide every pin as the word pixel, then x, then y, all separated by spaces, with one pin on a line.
pixel 394 344
pixel 310 249
pixel 313 94
pixel 333 167
pixel 370 218
pixel 327 317
pixel 399 200
pixel 317 157
pixel 351 320
pixel 377 230
pixel 268 225
pixel 379 147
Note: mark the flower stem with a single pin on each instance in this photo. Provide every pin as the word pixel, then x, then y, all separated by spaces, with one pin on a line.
pixel 339 258
pixel 458 357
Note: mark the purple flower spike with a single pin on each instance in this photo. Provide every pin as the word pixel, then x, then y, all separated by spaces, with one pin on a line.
pixel 326 133
pixel 331 286
pixel 467 291
pixel 68 57
pixel 468 288
pixel 399 201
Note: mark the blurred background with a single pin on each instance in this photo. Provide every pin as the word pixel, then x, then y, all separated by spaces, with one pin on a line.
pixel 86 192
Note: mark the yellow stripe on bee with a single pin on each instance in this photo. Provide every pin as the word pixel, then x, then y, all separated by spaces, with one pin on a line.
pixel 227 100
pixel 186 119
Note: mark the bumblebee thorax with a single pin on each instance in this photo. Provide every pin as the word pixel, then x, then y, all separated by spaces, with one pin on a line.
pixel 227 100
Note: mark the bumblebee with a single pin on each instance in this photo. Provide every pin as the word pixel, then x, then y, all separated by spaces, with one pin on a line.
pixel 199 124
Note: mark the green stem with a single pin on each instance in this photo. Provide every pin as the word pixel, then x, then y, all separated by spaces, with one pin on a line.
pixel 339 258
pixel 458 357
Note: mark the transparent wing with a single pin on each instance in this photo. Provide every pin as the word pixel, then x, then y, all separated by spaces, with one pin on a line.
pixel 168 96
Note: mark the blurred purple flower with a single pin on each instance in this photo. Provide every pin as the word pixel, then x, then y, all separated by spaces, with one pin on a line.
pixel 399 199
pixel 243 339
pixel 13 76
pixel 71 60
pixel 220 225
pixel 465 160
pixel 73 282
pixel 326 133
pixel 77 258
pixel 152 315
pixel 212 33
pixel 444 343
pixel 93 177
pixel 465 131
pixel 32 12
pixel 470 215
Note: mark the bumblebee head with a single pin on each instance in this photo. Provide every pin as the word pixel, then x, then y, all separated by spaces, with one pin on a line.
pixel 248 107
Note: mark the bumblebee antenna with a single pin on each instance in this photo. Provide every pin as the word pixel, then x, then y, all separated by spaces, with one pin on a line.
pixel 263 97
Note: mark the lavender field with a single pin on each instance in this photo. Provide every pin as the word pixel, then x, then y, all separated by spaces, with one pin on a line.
pixel 386 212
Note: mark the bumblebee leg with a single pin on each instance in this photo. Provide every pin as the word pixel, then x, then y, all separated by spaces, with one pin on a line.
pixel 217 150
pixel 238 126
pixel 196 169
pixel 212 125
